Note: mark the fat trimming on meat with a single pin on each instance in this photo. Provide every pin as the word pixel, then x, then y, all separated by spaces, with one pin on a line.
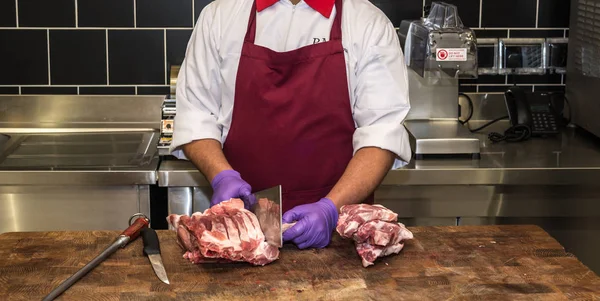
pixel 224 233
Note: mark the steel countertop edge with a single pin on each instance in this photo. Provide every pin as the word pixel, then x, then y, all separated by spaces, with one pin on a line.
pixel 146 175
pixel 571 158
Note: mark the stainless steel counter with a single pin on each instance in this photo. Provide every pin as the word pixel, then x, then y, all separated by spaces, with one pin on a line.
pixel 76 162
pixel 58 158
pixel 572 158
pixel 550 182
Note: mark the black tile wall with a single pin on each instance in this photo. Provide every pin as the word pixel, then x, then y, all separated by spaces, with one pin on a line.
pixel 26 60
pixel 468 11
pixel 106 90
pixel 397 11
pixel 45 13
pixel 491 33
pixel 537 33
pixel 105 13
pixel 154 90
pixel 9 90
pixel 468 89
pixel 550 88
pixel 486 79
pixel 508 13
pixel 177 41
pixel 535 79
pixel 199 6
pixel 554 13
pixel 78 57
pixel 501 88
pixel 162 13
pixel 49 90
pixel 8 15
pixel 145 37
pixel 136 57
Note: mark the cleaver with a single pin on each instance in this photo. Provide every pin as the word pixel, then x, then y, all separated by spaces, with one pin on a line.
pixel 268 211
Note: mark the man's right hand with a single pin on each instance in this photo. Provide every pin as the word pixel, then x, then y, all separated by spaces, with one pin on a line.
pixel 229 184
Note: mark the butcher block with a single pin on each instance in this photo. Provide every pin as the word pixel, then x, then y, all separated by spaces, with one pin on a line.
pixel 441 263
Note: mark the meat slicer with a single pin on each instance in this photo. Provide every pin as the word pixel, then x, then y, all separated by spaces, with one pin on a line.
pixel 439 50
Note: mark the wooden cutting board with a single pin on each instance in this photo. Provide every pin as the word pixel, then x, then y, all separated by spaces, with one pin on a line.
pixel 442 263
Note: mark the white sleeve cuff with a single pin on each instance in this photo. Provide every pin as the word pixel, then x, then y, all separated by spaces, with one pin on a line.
pixel 191 125
pixel 391 137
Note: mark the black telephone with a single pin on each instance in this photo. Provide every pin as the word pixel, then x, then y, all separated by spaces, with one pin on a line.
pixel 533 110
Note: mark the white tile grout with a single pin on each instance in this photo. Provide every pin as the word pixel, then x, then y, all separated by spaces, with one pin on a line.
pixel 134 13
pixel 164 86
pixel 17 12
pixel 537 13
pixel 48 46
pixel 520 28
pixel 520 84
pixel 423 9
pixel 165 50
pixel 96 86
pixel 107 68
pixel 76 15
pixel 188 28
pixel 508 33
pixel 193 12
pixel 480 11
pixel 110 28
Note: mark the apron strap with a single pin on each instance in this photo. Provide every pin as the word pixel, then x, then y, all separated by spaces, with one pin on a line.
pixel 336 28
pixel 251 32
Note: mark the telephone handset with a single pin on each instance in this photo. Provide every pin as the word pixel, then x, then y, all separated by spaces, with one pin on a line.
pixel 518 108
pixel 533 110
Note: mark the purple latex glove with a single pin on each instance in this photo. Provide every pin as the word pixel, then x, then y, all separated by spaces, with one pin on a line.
pixel 229 184
pixel 315 225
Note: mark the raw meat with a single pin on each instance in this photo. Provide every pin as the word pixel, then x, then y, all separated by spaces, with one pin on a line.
pixel 374 229
pixel 382 233
pixel 352 216
pixel 224 233
pixel 370 253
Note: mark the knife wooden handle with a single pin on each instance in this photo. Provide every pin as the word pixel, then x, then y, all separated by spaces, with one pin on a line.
pixel 134 230
pixel 150 239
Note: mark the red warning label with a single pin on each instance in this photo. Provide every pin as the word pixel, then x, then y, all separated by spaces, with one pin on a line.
pixel 451 54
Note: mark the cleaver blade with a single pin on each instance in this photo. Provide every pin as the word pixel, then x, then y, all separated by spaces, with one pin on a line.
pixel 268 211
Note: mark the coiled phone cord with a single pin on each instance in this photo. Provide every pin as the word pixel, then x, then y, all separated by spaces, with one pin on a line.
pixel 516 133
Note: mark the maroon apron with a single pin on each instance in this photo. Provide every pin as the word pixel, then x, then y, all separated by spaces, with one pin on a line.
pixel 292 123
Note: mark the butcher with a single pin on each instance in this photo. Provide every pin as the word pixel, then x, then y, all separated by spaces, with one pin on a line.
pixel 307 94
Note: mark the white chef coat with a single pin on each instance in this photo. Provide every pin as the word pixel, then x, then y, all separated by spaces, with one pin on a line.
pixel 377 76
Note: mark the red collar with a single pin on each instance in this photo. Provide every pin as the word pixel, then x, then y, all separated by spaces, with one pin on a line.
pixel 324 7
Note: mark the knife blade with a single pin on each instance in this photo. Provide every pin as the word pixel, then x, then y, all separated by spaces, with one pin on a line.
pixel 152 250
pixel 268 211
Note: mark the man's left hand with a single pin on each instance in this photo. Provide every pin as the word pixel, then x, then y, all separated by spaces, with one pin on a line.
pixel 315 224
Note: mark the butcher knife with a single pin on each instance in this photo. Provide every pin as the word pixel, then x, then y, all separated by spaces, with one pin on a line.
pixel 127 236
pixel 152 250
pixel 268 211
